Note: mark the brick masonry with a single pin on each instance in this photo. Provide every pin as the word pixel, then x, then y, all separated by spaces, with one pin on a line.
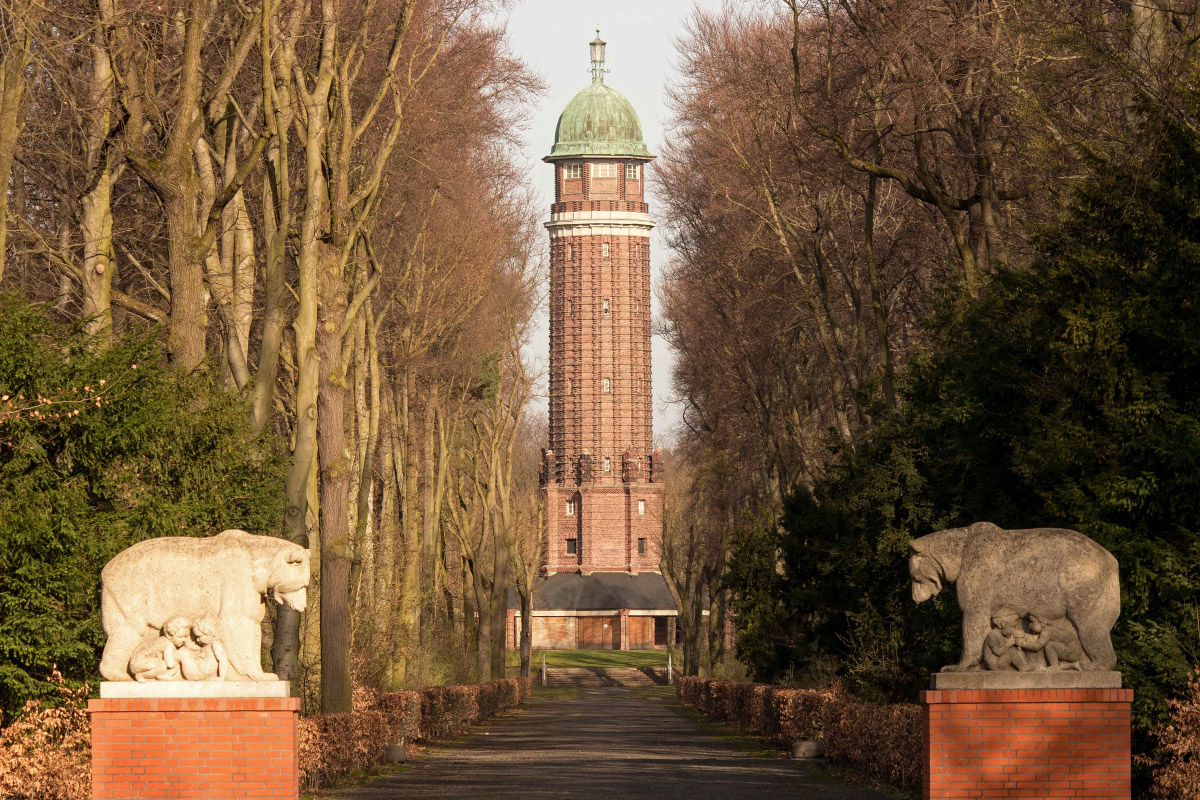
pixel 212 748
pixel 595 631
pixel 600 477
pixel 1027 743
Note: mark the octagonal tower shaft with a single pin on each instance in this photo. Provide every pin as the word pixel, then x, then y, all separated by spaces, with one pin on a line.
pixel 600 384
pixel 600 473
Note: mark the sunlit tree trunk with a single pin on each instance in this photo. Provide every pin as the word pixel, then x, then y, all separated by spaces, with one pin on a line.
pixel 23 17
pixel 95 224
pixel 336 465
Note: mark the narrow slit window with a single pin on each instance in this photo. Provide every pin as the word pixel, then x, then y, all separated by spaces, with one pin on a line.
pixel 569 385
pixel 604 249
pixel 570 508
pixel 608 465
pixel 571 547
pixel 642 507
pixel 605 307
pixel 570 251
pixel 568 306
pixel 641 546
pixel 607 389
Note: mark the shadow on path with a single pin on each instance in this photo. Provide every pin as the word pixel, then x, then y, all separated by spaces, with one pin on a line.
pixel 616 743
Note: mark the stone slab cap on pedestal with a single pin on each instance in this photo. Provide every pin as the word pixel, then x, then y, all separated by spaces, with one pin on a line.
pixel 1045 679
pixel 123 690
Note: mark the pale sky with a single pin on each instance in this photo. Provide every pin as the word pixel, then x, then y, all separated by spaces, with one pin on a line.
pixel 552 37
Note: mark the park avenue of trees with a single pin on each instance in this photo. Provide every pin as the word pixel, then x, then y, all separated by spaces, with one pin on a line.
pixel 270 265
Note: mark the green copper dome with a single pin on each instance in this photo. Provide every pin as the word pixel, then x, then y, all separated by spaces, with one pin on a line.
pixel 598 121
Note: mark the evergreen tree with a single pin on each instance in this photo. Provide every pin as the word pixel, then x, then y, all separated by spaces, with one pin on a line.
pixel 99 450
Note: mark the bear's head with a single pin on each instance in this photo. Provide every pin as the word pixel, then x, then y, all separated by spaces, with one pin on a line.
pixel 288 575
pixel 925 571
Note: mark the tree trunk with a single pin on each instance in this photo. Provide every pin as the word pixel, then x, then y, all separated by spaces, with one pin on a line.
pixel 96 221
pixel 187 322
pixel 287 641
pixel 429 530
pixel 526 632
pixel 483 626
pixel 14 100
pixel 385 561
pixel 336 466
pixel 878 311
pixel 98 259
pixel 410 578
pixel 364 544
pixel 499 620
pixel 285 650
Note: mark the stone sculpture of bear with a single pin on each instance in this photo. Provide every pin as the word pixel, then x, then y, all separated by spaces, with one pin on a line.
pixel 1051 573
pixel 226 578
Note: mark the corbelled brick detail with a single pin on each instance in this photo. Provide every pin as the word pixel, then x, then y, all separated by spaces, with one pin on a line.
pixel 212 748
pixel 602 492
pixel 1027 743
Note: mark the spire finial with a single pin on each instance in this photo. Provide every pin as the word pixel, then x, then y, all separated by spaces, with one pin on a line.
pixel 597 48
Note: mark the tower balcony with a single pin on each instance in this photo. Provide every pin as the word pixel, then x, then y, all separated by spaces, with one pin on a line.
pixel 576 206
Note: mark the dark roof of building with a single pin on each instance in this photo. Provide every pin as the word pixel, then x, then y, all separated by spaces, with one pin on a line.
pixel 599 591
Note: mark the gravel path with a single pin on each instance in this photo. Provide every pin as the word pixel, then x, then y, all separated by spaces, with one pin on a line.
pixel 608 743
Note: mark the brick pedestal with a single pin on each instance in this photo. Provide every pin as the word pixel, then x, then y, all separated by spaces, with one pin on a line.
pixel 213 748
pixel 1027 743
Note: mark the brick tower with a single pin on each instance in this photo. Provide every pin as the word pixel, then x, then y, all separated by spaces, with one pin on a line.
pixel 601 476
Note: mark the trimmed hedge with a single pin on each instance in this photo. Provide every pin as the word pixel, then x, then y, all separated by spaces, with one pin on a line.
pixel 884 742
pixel 46 754
pixel 333 746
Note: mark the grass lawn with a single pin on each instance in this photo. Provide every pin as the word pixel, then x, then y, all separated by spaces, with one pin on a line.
pixel 594 658
pixel 537 692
